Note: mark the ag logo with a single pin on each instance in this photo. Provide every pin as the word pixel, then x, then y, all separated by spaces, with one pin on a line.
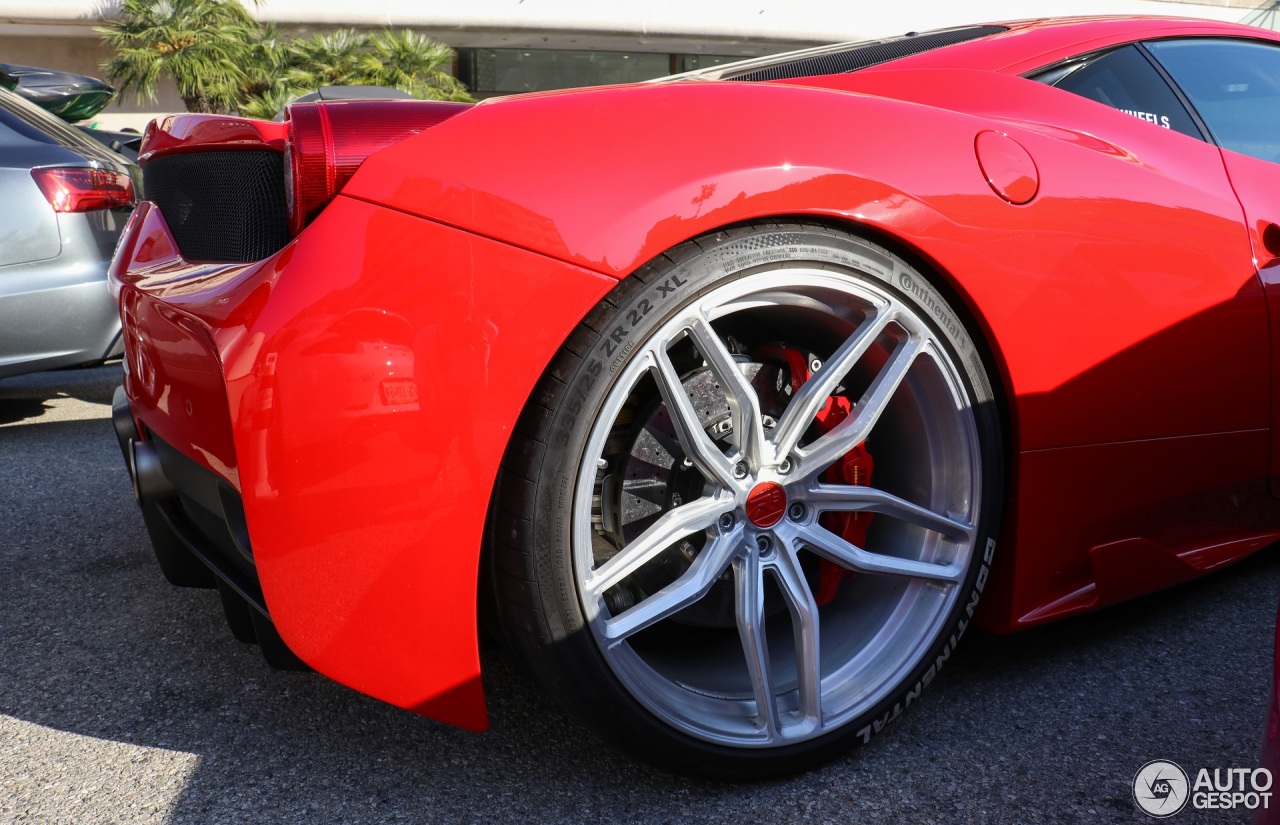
pixel 1161 788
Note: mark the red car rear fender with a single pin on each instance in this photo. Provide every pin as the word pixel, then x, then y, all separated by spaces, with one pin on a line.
pixel 373 372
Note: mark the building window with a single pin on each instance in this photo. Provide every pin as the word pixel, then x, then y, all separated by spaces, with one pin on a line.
pixel 489 72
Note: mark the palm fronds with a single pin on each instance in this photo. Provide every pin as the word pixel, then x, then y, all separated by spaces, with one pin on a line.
pixel 222 60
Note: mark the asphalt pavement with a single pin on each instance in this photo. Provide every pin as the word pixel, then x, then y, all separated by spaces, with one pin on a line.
pixel 123 699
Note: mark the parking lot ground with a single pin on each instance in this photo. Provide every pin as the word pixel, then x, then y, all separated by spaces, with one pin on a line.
pixel 123 699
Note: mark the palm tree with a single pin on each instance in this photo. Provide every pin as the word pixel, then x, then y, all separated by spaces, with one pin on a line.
pixel 326 59
pixel 203 45
pixel 222 59
pixel 345 57
pixel 262 94
pixel 402 60
pixel 412 62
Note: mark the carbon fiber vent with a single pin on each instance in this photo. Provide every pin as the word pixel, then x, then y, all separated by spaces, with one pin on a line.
pixel 221 206
pixel 860 57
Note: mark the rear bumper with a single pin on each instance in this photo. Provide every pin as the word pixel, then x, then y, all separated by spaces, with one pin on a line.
pixel 353 394
pixel 188 508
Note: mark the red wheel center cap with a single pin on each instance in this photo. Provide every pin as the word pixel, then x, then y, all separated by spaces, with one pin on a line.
pixel 766 503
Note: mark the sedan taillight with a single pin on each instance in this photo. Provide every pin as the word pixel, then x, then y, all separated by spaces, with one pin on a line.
pixel 79 189
pixel 329 140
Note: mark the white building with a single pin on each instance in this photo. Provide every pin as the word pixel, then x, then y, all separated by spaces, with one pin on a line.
pixel 520 45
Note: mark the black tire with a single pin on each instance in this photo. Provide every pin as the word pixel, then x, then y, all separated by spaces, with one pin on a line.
pixel 620 688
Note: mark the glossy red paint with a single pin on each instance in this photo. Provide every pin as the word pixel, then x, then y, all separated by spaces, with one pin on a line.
pixel 173 371
pixel 328 141
pixel 1035 44
pixel 1143 515
pixel 1118 307
pixel 366 537
pixel 176 134
pixel 1009 169
pixel 1254 182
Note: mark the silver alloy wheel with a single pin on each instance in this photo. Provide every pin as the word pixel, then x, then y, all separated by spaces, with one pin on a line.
pixel 796 673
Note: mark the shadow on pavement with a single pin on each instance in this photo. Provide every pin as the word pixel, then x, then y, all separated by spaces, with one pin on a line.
pixel 31 396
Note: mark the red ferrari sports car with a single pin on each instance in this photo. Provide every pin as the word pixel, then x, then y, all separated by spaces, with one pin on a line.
pixel 732 400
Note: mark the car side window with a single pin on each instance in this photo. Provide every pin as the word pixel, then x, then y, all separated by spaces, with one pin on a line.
pixel 1234 86
pixel 1124 79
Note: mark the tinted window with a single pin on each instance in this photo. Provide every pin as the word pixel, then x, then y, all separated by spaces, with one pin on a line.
pixel 1235 87
pixel 1124 79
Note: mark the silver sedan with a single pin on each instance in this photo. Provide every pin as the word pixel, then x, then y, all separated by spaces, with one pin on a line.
pixel 64 199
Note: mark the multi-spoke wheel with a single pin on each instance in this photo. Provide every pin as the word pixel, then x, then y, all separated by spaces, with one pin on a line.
pixel 750 508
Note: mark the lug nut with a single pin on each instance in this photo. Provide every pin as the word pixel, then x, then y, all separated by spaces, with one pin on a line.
pixel 765 544
pixel 740 470
pixel 726 522
pixel 784 467
pixel 796 511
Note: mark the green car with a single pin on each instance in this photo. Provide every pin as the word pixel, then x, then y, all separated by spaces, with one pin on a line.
pixel 72 97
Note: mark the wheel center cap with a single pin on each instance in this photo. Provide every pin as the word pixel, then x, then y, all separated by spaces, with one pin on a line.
pixel 766 503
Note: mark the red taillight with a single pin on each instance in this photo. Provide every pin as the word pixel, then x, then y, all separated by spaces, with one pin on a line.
pixel 77 189
pixel 329 140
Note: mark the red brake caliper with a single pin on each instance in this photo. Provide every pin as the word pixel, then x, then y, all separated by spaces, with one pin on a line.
pixel 854 468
